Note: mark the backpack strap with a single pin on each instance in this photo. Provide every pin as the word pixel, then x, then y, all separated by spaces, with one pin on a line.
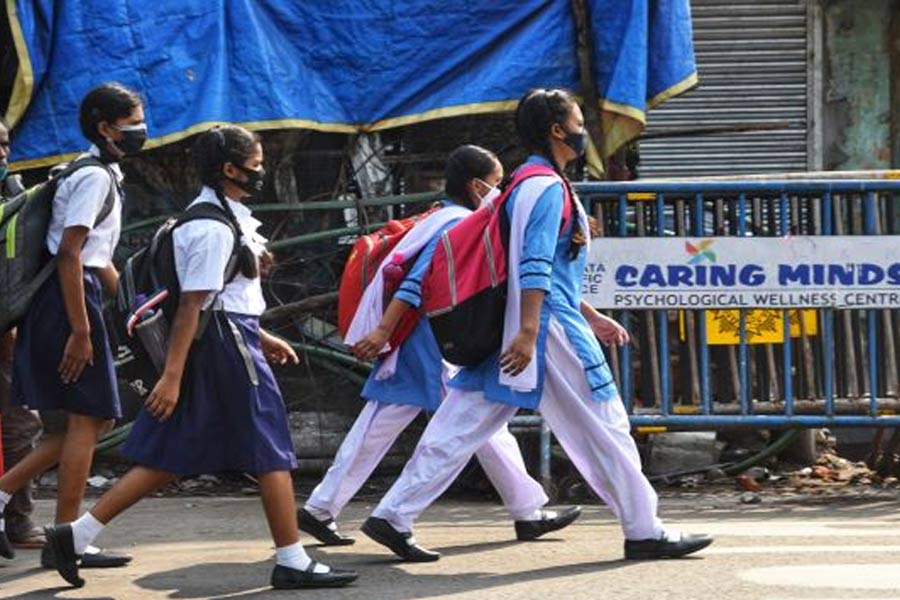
pixel 93 161
pixel 11 187
pixel 214 212
pixel 527 171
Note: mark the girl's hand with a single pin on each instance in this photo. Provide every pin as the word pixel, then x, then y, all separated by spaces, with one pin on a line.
pixel 594 226
pixel 371 346
pixel 278 351
pixel 608 331
pixel 266 263
pixel 163 399
pixel 520 353
pixel 78 353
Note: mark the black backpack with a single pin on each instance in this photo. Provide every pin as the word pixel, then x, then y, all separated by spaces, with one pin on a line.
pixel 24 220
pixel 149 290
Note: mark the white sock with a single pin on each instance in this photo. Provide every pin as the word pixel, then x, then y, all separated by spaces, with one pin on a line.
pixel 321 515
pixel 295 557
pixel 85 530
pixel 539 514
pixel 672 535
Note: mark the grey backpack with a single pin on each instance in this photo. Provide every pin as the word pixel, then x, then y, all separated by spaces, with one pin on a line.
pixel 24 220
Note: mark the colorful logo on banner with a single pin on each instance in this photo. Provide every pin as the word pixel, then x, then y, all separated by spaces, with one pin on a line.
pixel 700 252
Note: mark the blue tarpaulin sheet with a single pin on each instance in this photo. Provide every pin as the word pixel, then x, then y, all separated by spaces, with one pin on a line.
pixel 331 65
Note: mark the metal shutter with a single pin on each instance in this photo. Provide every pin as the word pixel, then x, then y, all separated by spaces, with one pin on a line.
pixel 752 61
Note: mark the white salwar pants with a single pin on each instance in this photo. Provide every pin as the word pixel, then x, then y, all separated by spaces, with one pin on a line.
pixel 595 435
pixel 375 430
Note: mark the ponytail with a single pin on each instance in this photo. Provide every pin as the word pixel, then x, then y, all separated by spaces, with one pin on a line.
pixel 536 114
pixel 210 152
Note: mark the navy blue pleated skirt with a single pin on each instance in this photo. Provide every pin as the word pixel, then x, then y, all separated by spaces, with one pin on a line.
pixel 40 342
pixel 230 415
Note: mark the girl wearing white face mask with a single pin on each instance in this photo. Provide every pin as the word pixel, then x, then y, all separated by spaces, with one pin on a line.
pixel 403 385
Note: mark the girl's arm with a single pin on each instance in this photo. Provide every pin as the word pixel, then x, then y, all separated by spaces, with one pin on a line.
pixel 535 273
pixel 164 398
pixel 607 330
pixel 276 349
pixel 408 297
pixel 79 352
pixel 370 346
pixel 109 279
pixel 521 350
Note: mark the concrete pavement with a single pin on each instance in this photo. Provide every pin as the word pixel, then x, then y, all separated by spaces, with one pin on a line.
pixel 219 548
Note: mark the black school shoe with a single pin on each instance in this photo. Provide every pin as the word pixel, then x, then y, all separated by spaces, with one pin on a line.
pixel 665 547
pixel 62 548
pixel 527 531
pixel 286 578
pixel 6 549
pixel 308 523
pixel 400 543
pixel 105 559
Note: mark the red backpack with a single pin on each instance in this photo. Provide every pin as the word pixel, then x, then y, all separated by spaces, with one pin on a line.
pixel 464 289
pixel 369 251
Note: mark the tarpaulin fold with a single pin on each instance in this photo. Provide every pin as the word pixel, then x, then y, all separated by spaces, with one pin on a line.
pixel 334 65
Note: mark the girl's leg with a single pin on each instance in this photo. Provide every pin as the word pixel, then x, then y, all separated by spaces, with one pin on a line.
pixel 75 459
pixel 277 492
pixel 372 435
pixel 461 425
pixel 134 485
pixel 502 461
pixel 68 541
pixel 44 456
pixel 597 438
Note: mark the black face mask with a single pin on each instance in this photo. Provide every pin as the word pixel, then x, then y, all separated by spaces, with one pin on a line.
pixel 133 138
pixel 255 181
pixel 577 142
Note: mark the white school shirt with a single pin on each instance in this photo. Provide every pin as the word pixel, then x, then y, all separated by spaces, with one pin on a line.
pixel 77 203
pixel 202 249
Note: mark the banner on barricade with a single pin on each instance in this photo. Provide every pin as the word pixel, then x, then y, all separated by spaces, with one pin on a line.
pixel 734 273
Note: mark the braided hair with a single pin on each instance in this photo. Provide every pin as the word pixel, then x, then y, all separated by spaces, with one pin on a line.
pixel 537 112
pixel 212 150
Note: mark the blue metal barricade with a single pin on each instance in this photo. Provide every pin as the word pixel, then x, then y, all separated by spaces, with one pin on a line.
pixel 670 376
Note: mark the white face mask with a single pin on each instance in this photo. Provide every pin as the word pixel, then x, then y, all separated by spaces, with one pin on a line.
pixel 492 194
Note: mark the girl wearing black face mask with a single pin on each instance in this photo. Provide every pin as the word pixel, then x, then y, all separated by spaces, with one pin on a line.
pixel 551 359
pixel 216 406
pixel 63 363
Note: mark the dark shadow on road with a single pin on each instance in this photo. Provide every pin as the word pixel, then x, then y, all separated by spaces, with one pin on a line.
pixel 244 581
pixel 17 574
pixel 49 593
pixel 488 546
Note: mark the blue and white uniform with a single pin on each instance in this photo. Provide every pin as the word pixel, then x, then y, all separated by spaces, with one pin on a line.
pixel 575 391
pixel 230 415
pixel 392 404
pixel 545 265
pixel 43 333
